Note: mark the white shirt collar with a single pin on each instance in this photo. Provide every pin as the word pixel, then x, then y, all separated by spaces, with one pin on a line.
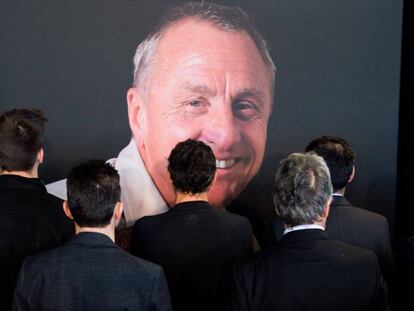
pixel 139 194
pixel 303 227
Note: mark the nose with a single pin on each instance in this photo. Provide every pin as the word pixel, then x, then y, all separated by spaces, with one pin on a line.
pixel 221 131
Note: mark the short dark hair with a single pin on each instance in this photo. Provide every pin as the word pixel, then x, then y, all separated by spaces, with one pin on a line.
pixel 21 138
pixel 338 155
pixel 302 188
pixel 93 191
pixel 192 166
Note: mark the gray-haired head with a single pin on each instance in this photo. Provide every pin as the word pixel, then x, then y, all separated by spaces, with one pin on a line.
pixel 302 188
pixel 232 19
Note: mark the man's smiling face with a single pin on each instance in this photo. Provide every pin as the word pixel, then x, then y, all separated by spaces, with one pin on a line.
pixel 210 85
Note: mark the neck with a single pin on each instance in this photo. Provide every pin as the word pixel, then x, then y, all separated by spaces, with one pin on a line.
pixel 108 230
pixel 318 223
pixel 187 197
pixel 28 174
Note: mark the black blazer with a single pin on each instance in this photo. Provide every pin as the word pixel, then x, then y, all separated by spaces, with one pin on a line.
pixel 196 245
pixel 308 270
pixel 362 228
pixel 31 220
pixel 90 273
pixel 358 227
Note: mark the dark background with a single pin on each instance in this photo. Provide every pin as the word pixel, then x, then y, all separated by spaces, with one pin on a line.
pixel 338 72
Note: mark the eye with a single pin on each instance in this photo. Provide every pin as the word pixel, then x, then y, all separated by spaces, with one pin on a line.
pixel 244 110
pixel 195 103
pixel 196 106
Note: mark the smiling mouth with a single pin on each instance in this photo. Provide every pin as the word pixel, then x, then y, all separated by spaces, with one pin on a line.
pixel 225 163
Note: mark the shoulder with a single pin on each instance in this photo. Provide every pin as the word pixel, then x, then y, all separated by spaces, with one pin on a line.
pixel 233 219
pixel 148 223
pixel 353 254
pixel 358 214
pixel 37 263
pixel 137 266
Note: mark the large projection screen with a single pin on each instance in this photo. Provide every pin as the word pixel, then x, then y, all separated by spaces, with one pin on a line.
pixel 338 69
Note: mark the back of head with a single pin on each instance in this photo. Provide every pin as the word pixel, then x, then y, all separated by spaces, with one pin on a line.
pixel 225 18
pixel 301 189
pixel 192 167
pixel 93 191
pixel 339 157
pixel 21 138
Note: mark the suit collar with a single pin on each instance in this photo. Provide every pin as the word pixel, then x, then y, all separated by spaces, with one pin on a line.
pixel 23 183
pixel 338 200
pixel 191 205
pixel 92 239
pixel 303 235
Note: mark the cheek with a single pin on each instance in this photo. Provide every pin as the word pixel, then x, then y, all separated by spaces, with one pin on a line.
pixel 254 136
pixel 164 134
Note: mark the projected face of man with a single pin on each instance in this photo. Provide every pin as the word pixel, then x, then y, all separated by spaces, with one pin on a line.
pixel 210 85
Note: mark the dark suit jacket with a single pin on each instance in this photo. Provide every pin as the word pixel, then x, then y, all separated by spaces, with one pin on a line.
pixel 358 227
pixel 362 228
pixel 31 220
pixel 90 273
pixel 196 245
pixel 308 270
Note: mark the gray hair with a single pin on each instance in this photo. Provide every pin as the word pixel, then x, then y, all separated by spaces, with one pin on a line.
pixel 231 19
pixel 302 187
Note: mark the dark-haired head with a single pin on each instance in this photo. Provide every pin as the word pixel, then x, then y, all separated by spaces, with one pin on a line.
pixel 192 167
pixel 21 138
pixel 93 191
pixel 339 157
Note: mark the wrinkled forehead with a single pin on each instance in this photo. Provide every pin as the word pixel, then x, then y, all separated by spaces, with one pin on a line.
pixel 192 38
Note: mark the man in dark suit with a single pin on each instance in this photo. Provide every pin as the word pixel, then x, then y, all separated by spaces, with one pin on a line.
pixel 195 243
pixel 346 222
pixel 31 220
pixel 307 270
pixel 90 272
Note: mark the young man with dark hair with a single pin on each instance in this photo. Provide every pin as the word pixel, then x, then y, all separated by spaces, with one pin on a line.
pixel 346 222
pixel 195 243
pixel 307 269
pixel 31 220
pixel 90 272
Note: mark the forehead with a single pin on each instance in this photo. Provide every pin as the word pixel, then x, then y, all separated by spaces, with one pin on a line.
pixel 193 45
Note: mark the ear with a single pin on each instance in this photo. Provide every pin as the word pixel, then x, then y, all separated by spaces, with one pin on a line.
pixel 67 210
pixel 118 211
pixel 327 208
pixel 214 179
pixel 351 178
pixel 136 115
pixel 40 155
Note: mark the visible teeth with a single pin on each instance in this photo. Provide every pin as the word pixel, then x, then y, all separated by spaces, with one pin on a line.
pixel 225 163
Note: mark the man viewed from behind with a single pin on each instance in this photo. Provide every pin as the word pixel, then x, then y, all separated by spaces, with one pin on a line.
pixel 195 243
pixel 307 270
pixel 346 222
pixel 90 272
pixel 31 220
